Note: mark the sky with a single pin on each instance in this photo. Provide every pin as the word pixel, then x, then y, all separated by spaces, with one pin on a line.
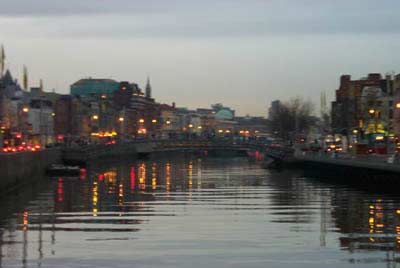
pixel 242 53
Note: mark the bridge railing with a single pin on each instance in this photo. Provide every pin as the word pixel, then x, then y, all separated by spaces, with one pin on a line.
pixel 89 151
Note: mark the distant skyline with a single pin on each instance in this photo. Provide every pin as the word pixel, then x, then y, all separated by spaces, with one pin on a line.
pixel 243 54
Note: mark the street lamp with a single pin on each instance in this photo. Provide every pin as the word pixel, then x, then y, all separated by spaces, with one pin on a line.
pixel 190 125
pixel 96 117
pixel 25 109
pixel 371 111
pixel 141 120
pixel 121 120
pixel 168 122
pixel 398 105
pixel 154 121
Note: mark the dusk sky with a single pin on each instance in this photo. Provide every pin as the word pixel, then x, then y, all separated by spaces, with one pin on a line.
pixel 241 53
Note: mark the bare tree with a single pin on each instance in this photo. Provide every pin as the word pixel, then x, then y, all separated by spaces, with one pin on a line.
pixel 292 117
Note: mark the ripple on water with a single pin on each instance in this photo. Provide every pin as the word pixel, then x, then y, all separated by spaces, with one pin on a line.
pixel 197 212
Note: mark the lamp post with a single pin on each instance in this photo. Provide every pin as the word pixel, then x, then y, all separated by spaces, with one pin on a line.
pixel 373 112
pixel 121 121
pixel 22 120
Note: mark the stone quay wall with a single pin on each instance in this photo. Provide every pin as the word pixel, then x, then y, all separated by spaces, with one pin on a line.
pixel 26 167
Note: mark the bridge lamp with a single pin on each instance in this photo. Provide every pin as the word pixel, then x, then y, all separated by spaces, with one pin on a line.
pixel 168 122
pixel 199 127
pixel 121 119
pixel 25 109
pixel 371 111
pixel 154 121
pixel 95 117
pixel 227 131
pixel 355 131
pixel 141 120
pixel 190 125
pixel 220 131
pixel 398 105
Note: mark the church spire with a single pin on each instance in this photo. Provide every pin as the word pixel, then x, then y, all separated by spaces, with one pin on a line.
pixel 41 87
pixel 148 88
pixel 2 60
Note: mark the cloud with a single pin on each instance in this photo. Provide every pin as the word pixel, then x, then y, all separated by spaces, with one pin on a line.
pixel 17 8
pixel 207 18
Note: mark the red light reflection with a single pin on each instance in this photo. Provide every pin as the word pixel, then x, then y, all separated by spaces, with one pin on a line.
pixel 133 178
pixel 60 190
pixel 82 173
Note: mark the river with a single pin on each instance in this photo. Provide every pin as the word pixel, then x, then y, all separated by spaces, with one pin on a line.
pixel 194 212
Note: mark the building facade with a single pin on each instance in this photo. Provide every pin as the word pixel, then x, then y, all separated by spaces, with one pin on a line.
pixel 364 106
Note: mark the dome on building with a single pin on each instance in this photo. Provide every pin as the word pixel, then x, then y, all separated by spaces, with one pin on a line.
pixel 224 114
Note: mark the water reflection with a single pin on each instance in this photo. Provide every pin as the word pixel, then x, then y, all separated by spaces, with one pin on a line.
pixel 228 211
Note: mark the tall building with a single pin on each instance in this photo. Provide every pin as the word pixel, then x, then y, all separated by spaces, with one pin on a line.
pixel 274 109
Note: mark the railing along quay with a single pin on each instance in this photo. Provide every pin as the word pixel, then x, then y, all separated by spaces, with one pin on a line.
pixel 389 163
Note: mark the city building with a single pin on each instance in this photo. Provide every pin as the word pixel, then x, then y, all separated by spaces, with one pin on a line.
pixel 92 86
pixel 40 117
pixel 274 109
pixel 251 126
pixel 63 119
pixel 396 105
pixel 364 106
pixel 139 114
pixel 170 121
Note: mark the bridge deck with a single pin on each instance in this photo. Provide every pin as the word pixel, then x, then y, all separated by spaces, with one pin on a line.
pixel 83 154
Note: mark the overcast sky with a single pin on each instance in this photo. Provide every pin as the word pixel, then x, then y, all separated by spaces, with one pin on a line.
pixel 243 53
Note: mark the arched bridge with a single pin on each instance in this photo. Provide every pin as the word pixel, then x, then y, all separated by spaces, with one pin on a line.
pixel 82 154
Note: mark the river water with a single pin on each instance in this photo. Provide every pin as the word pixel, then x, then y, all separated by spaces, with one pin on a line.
pixel 197 212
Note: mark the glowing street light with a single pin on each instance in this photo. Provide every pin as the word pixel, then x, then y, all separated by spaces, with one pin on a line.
pixel 168 122
pixel 398 105
pixel 141 120
pixel 371 111
pixel 121 119
pixel 199 127
pixel 154 121
pixel 190 125
pixel 25 109
pixel 95 117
